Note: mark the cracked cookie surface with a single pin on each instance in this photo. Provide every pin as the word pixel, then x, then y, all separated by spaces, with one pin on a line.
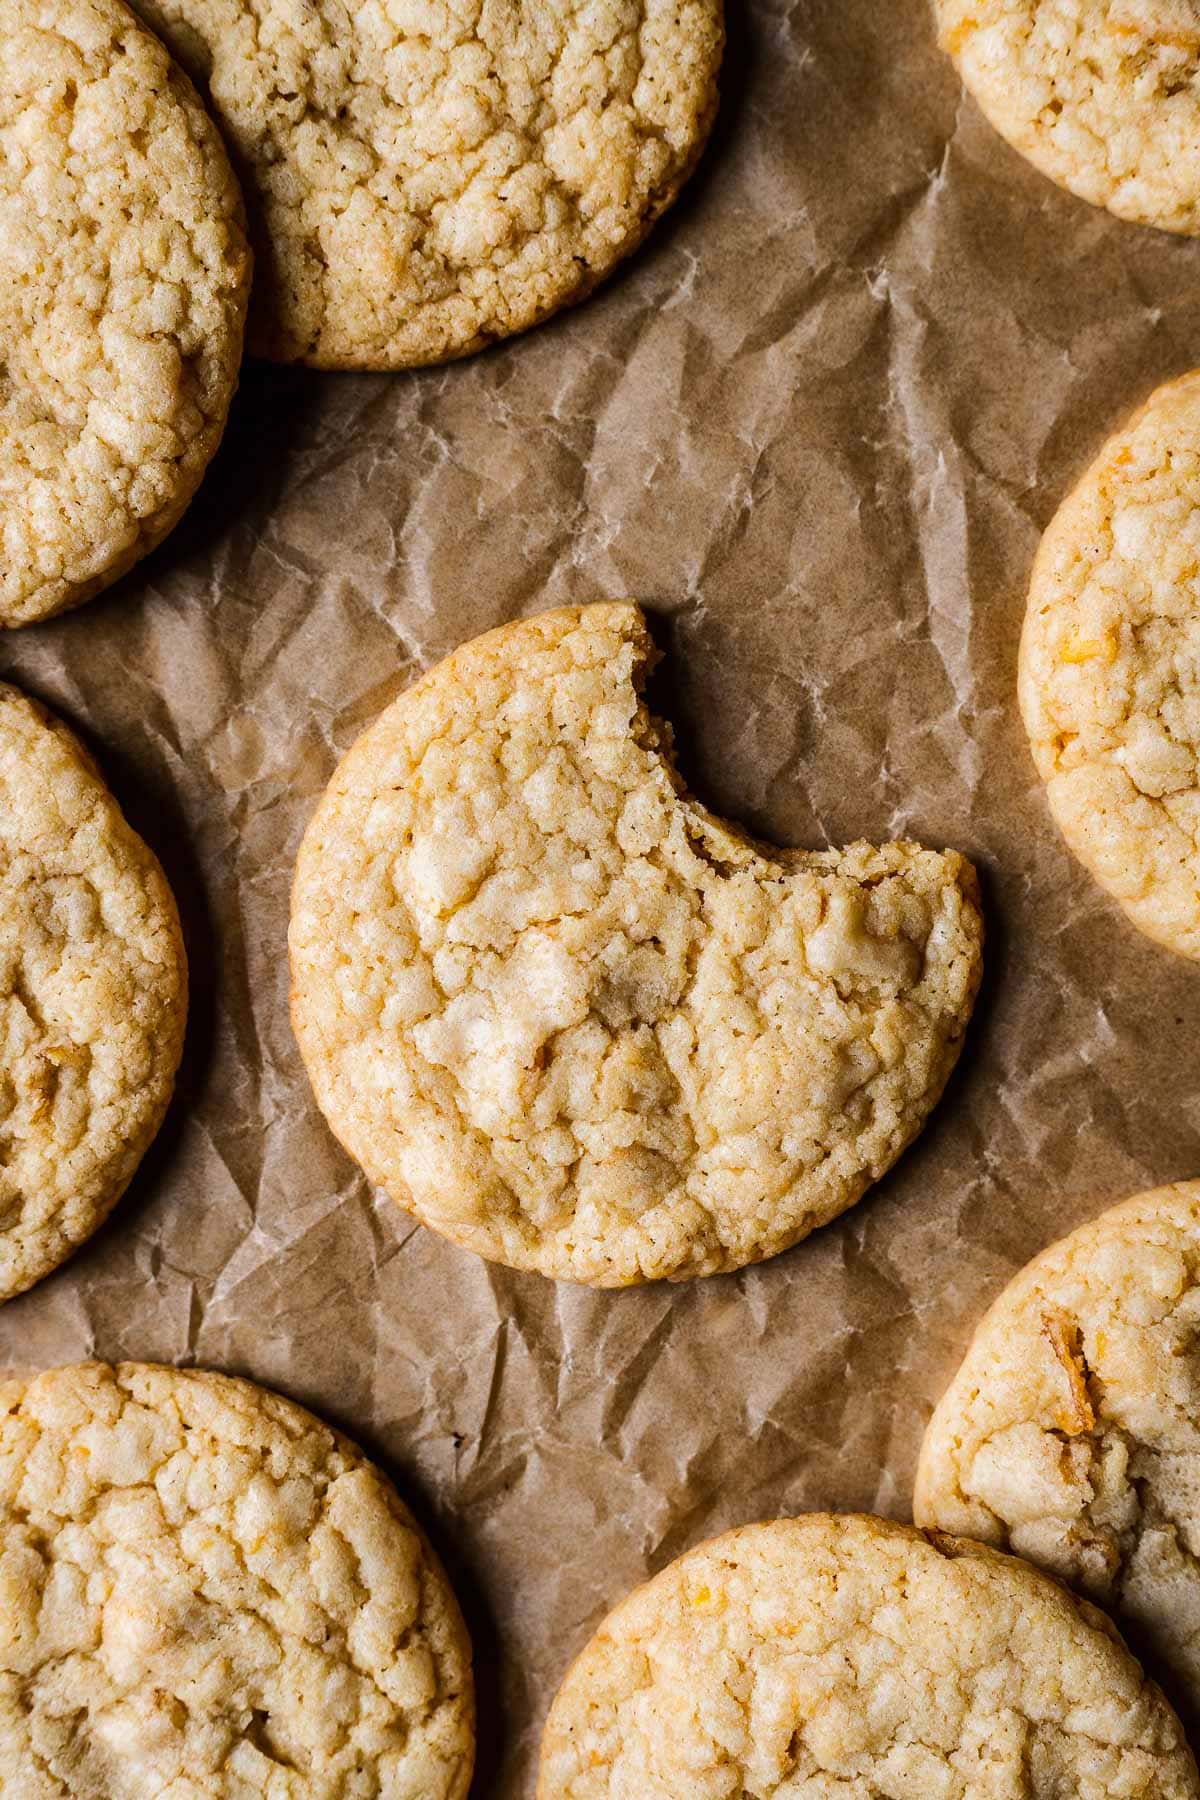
pixel 93 995
pixel 1070 1433
pixel 209 1595
pixel 124 276
pixel 426 177
pixel 576 1023
pixel 1109 677
pixel 1101 95
pixel 826 1658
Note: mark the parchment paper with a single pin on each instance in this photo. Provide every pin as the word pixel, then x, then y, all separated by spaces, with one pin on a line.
pixel 817 426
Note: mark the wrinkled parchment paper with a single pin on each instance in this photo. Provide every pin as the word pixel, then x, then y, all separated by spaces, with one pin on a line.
pixel 817 426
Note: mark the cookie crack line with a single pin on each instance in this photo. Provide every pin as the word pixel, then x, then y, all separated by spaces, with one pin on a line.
pixel 421 188
pixel 575 1022
pixel 93 995
pixel 1109 677
pixel 1106 1501
pixel 813 1652
pixel 123 301
pixel 226 1589
pixel 1103 96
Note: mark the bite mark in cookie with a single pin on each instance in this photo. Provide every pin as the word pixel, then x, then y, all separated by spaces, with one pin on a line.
pixel 575 1022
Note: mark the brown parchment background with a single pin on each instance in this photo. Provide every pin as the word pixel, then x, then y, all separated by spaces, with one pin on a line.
pixel 817 427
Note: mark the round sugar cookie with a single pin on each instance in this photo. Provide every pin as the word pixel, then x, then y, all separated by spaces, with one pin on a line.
pixel 1071 1433
pixel 426 177
pixel 1109 676
pixel 573 1021
pixel 208 1593
pixel 124 276
pixel 93 995
pixel 844 1658
pixel 1101 95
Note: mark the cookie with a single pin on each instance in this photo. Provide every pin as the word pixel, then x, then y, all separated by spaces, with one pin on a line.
pixel 1070 1434
pixel 123 288
pixel 1103 96
pixel 426 178
pixel 1110 667
pixel 827 1658
pixel 206 1592
pixel 576 1023
pixel 93 995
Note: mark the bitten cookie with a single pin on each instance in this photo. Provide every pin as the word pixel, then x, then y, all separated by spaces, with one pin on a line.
pixel 207 1593
pixel 93 995
pixel 1101 95
pixel 576 1023
pixel 425 178
pixel 124 276
pixel 845 1658
pixel 1110 667
pixel 1071 1434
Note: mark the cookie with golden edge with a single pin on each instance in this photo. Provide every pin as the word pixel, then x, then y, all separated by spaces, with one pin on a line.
pixel 124 276
pixel 1103 96
pixel 93 995
pixel 1109 677
pixel 843 1658
pixel 425 178
pixel 208 1593
pixel 573 1021
pixel 1070 1433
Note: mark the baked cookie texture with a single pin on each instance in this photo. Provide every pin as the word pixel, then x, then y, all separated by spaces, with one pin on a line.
pixel 209 1595
pixel 93 995
pixel 123 286
pixel 1071 1435
pixel 425 178
pixel 573 1021
pixel 827 1658
pixel 1109 676
pixel 1103 96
